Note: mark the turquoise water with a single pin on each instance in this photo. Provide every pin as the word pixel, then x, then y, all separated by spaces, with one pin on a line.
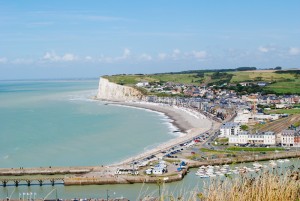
pixel 55 123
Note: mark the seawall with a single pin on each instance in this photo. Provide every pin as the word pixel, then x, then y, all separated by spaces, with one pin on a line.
pixel 115 92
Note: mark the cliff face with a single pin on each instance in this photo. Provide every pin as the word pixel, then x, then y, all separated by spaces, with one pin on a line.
pixel 115 92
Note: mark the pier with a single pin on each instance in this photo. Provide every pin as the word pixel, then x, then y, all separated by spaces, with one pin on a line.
pixel 32 181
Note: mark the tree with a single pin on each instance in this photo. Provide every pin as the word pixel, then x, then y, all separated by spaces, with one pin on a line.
pixel 244 127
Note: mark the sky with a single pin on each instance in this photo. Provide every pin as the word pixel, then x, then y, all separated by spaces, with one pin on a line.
pixel 90 38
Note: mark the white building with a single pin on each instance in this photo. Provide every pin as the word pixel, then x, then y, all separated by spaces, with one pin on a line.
pixel 290 138
pixel 142 84
pixel 229 128
pixel 265 138
pixel 261 116
pixel 243 116
pixel 240 138
pixel 160 168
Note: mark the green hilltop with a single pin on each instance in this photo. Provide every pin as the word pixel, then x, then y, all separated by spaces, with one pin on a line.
pixel 277 81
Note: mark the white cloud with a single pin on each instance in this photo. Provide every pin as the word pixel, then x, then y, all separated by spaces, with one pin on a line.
pixel 263 49
pixel 199 54
pixel 69 57
pixel 162 56
pixel 3 60
pixel 53 57
pixel 176 53
pixel 22 61
pixel 294 51
pixel 126 55
pixel 266 49
pixel 88 58
pixel 146 57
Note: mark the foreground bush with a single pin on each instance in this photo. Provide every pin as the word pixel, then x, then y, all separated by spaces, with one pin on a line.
pixel 268 186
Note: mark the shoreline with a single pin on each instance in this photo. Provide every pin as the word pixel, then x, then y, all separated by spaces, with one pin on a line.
pixel 188 123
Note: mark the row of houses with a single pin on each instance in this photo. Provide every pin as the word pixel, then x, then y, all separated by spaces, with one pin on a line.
pixel 244 137
pixel 235 135
pixel 272 99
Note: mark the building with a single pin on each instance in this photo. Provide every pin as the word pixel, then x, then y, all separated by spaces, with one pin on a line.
pixel 243 116
pixel 142 84
pixel 229 128
pixel 240 138
pixel 264 138
pixel 160 168
pixel 290 138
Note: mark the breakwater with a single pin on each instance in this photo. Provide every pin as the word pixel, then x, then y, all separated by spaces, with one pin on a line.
pixel 83 176
pixel 124 179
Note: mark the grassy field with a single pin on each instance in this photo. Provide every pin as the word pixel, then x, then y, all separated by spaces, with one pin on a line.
pixel 282 82
pixel 177 78
pixel 268 76
pixel 216 151
pixel 283 111
pixel 254 149
pixel 285 87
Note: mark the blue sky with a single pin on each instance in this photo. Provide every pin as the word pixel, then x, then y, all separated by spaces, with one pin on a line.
pixel 65 39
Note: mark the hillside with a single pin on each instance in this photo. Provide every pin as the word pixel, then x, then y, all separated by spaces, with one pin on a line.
pixel 280 82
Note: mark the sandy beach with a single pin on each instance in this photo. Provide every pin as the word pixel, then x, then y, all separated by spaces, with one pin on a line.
pixel 188 121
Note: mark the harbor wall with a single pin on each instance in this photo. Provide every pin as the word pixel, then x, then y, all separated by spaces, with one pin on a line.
pixel 123 179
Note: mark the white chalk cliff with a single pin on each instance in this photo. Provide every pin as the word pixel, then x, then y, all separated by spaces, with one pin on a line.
pixel 115 92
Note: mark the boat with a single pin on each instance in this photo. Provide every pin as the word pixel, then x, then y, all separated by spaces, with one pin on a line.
pixel 257 169
pixel 280 161
pixel 286 160
pixel 257 165
pixel 250 170
pixel 220 174
pixel 272 163
pixel 210 170
pixel 203 176
pixel 211 175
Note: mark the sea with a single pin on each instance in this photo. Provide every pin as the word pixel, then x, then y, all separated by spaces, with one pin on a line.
pixel 58 123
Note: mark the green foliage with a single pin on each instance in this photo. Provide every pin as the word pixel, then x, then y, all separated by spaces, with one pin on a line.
pixel 283 111
pixel 290 87
pixel 297 124
pixel 254 149
pixel 279 82
pixel 288 72
pixel 244 127
pixel 245 68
